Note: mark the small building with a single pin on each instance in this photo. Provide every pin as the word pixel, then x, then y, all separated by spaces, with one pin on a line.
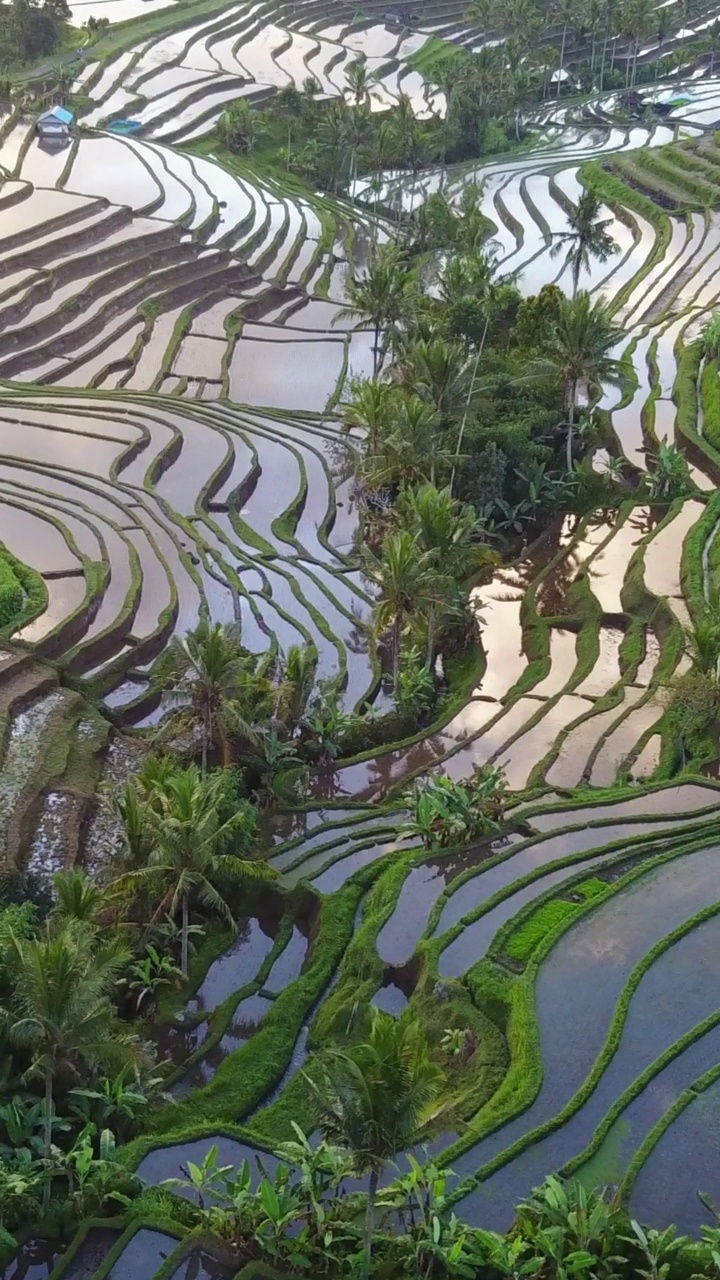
pixel 55 123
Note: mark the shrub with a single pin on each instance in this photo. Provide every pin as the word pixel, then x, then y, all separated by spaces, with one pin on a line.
pixel 11 593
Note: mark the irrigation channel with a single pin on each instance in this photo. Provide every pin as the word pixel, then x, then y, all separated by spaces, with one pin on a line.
pixel 171 356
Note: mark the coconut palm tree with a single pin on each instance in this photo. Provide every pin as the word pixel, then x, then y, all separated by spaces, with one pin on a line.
pixel 77 897
pixel 360 81
pixel 578 354
pixel 406 579
pixel 439 372
pixel 585 239
pixel 370 409
pixel 563 12
pixel 214 683
pixel 376 1099
pixel 61 1013
pixel 637 25
pixel 189 860
pixel 299 671
pixel 412 451
pixel 385 297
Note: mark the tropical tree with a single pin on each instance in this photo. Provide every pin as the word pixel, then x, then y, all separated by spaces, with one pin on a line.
pixel 238 127
pixel 78 897
pixel 578 353
pixel 439 372
pixel 61 1013
pixel 370 409
pixel 299 669
pixel 670 477
pixel 376 1099
pixel 563 12
pixel 360 81
pixel 586 238
pixel 215 684
pixel 637 25
pixel 190 860
pixel 406 578
pixel 711 337
pixel 384 297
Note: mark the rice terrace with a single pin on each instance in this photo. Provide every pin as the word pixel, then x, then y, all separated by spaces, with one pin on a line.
pixel 359 639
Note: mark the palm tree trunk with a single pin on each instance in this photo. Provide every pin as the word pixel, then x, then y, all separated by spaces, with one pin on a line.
pixel 602 61
pixel 467 403
pixel 47 1132
pixel 562 60
pixel 571 423
pixel 430 638
pixel 370 1217
pixel 185 936
pixel 376 351
pixel 396 641
pixel 205 737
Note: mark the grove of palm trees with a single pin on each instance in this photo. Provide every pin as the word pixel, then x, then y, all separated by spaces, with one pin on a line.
pixel 360 640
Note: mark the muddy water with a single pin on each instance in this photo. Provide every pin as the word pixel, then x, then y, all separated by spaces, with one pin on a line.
pixel 65 596
pixel 34 1260
pixel 336 875
pixel 390 998
pixel 576 992
pixel 245 1022
pixel 400 935
pixel 606 671
pixel 648 760
pixel 671 999
pixel 673 801
pixel 606 571
pixel 236 967
pixel 289 963
pixel 520 759
pixel 550 600
pixel 663 554
pixel 472 893
pixel 610 760
pixel 94 1248
pixel 609 1164
pixel 571 763
pixel 562 662
pixel 202 1266
pixel 143 1255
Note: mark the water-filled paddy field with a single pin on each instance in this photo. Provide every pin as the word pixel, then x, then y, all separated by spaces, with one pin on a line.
pixel 172 360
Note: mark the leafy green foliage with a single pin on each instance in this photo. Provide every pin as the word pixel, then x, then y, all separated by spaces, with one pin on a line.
pixel 444 812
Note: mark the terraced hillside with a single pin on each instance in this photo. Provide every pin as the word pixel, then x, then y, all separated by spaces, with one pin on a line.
pixel 172 356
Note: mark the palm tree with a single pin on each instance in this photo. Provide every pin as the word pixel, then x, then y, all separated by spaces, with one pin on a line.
pixel 370 409
pixel 440 373
pixel 60 1009
pixel 406 579
pixel 376 1099
pixel 413 450
pixel 78 897
pixel 638 23
pixel 578 354
pixel 384 297
pixel 212 681
pixel 300 668
pixel 563 12
pixel 586 237
pixel 449 531
pixel 360 81
pixel 189 859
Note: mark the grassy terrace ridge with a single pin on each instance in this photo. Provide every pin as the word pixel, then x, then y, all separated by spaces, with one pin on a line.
pixel 359 693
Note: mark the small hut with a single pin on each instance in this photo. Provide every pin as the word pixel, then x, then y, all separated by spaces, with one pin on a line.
pixel 55 123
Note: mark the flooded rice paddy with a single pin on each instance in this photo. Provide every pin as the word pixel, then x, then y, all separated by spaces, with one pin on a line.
pixel 170 379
